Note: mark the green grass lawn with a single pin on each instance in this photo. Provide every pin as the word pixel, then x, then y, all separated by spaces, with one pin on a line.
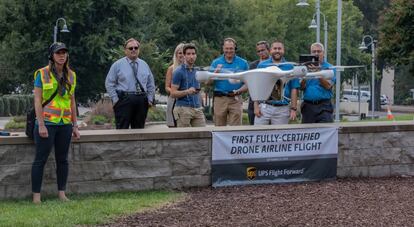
pixel 405 117
pixel 86 209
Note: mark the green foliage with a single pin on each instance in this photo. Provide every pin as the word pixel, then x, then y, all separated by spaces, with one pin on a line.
pixel 82 210
pixel 6 102
pixel 99 120
pixel 156 114
pixel 12 124
pixel 397 32
pixel 14 105
pixel 403 82
pixel 1 106
pixel 245 119
pixel 95 41
pixel 29 101
pixel 22 104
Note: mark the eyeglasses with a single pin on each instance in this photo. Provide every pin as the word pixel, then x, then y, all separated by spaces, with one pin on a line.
pixel 316 51
pixel 133 48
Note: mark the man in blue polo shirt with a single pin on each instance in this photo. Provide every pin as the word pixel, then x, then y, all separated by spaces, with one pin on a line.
pixel 317 93
pixel 276 109
pixel 185 88
pixel 227 100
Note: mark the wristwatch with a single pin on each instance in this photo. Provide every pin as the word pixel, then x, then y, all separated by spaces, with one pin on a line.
pixel 293 108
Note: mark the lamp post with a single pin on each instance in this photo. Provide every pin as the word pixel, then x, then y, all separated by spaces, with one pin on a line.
pixel 363 46
pixel 325 30
pixel 55 29
pixel 303 3
pixel 338 59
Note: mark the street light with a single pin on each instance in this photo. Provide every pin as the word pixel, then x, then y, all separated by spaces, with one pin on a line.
pixel 55 30
pixel 363 46
pixel 325 30
pixel 318 17
pixel 302 3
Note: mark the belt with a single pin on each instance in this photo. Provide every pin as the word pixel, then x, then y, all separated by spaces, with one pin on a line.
pixel 317 102
pixel 134 93
pixel 225 94
pixel 125 93
pixel 274 103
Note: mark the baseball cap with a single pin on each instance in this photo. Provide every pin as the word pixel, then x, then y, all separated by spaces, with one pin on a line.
pixel 55 47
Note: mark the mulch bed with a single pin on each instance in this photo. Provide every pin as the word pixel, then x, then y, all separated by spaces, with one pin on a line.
pixel 344 202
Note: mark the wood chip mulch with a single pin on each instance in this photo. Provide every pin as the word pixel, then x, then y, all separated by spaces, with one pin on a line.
pixel 344 202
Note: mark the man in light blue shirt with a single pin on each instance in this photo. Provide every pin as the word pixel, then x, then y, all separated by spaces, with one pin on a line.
pixel 227 100
pixel 276 109
pixel 317 93
pixel 130 84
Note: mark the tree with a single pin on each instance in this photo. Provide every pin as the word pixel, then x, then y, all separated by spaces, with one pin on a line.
pixel 92 42
pixel 397 45
pixel 397 32
pixel 372 11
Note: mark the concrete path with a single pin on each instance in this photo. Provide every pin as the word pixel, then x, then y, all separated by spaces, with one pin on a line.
pixel 396 110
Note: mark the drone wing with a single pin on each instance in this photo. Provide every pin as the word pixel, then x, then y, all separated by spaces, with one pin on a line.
pixel 343 67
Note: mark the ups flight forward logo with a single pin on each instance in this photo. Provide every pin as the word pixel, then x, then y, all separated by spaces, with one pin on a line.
pixel 251 173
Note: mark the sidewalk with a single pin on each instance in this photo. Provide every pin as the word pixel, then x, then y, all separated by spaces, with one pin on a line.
pixel 399 109
pixel 5 120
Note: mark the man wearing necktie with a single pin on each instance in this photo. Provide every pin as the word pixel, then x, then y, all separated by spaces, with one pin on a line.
pixel 130 84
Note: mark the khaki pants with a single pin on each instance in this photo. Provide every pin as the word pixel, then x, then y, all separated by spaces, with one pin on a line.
pixel 189 117
pixel 227 110
pixel 273 115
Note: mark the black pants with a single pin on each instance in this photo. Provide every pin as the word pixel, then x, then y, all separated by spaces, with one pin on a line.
pixel 317 113
pixel 59 136
pixel 131 110
pixel 250 111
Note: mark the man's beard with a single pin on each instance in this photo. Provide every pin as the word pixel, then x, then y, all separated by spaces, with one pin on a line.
pixel 277 57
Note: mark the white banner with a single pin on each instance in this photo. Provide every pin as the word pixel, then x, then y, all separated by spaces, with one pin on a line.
pixel 242 145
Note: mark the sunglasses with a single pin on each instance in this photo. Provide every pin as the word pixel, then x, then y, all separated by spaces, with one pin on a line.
pixel 133 48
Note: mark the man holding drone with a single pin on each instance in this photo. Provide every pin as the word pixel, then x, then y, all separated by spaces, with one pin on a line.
pixel 276 110
pixel 317 93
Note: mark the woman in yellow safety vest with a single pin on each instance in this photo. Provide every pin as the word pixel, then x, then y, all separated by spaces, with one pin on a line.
pixel 54 87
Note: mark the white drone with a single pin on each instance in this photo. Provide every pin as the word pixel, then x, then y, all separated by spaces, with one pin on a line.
pixel 260 82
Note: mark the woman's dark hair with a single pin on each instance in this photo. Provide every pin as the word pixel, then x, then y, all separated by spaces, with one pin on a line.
pixel 63 80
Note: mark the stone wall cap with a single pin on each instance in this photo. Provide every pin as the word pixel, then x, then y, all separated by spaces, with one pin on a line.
pixel 205 132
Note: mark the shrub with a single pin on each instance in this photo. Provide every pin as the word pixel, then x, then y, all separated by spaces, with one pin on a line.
pixel 6 110
pixel 156 114
pixel 14 105
pixel 99 120
pixel 103 107
pixel 19 119
pixel 15 125
pixel 29 102
pixel 101 113
pixel 245 119
pixel 1 107
pixel 22 104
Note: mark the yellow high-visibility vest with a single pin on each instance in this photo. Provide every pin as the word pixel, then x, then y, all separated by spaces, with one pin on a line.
pixel 58 109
